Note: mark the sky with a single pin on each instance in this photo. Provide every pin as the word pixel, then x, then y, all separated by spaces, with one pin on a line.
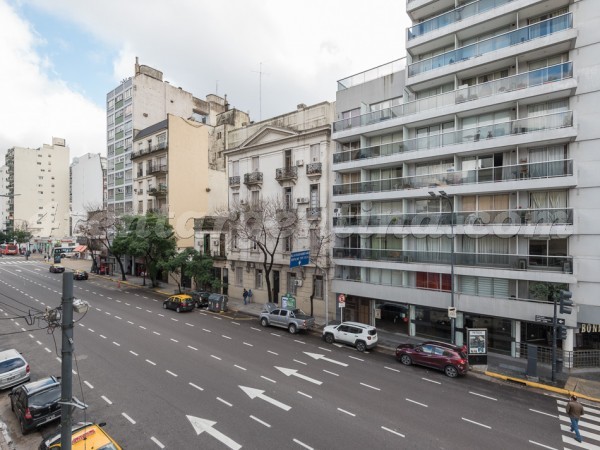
pixel 60 58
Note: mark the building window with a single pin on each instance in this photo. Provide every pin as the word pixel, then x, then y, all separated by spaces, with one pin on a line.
pixel 315 154
pixel 239 276
pixel 291 283
pixel 318 283
pixel 434 281
pixel 258 278
pixel 288 244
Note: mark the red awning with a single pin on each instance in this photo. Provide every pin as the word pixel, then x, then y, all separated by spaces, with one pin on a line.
pixel 80 248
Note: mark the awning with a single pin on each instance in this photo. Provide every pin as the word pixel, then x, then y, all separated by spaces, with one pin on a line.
pixel 80 248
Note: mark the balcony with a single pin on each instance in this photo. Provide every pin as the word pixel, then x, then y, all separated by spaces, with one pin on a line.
pixel 159 191
pixel 313 213
pixel 456 15
pixel 253 178
pixel 550 169
pixel 554 216
pixel 464 136
pixel 372 74
pixel 519 36
pixel 314 169
pixel 525 80
pixel 148 150
pixel 157 168
pixel 234 181
pixel 563 264
pixel 289 173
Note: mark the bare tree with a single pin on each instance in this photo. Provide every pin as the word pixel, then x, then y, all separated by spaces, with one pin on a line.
pixel 320 260
pixel 262 226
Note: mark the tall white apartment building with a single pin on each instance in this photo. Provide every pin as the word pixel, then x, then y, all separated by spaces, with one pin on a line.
pixel 38 189
pixel 88 173
pixel 466 175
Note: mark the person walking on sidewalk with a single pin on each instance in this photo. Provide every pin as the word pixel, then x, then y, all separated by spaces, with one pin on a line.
pixel 245 296
pixel 575 411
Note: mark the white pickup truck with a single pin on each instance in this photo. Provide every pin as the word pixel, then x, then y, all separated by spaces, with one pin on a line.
pixel 292 319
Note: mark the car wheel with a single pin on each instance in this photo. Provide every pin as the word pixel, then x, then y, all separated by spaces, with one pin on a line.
pixel 406 360
pixel 329 338
pixel 24 430
pixel 264 322
pixel 361 346
pixel 451 371
pixel 164 306
pixel 292 328
pixel 178 309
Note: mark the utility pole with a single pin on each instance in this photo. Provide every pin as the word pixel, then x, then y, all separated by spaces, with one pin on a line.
pixel 67 362
pixel 554 338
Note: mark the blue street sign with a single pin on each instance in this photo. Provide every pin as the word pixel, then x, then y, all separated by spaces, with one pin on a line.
pixel 299 258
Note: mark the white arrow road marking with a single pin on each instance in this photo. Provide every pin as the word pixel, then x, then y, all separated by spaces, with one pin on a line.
pixel 293 372
pixel 319 356
pixel 257 393
pixel 204 425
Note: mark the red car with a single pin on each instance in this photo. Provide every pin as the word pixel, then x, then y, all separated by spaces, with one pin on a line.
pixel 450 359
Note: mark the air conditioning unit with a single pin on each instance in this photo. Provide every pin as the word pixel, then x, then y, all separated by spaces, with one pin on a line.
pixel 298 283
pixel 215 243
pixel 337 212
pixel 299 162
pixel 302 200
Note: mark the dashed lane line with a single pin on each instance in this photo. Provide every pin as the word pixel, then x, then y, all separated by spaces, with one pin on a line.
pixel 128 418
pixel 262 422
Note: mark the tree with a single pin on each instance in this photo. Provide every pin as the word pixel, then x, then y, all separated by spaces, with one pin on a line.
pixel 200 269
pixel 547 291
pixel 262 226
pixel 318 248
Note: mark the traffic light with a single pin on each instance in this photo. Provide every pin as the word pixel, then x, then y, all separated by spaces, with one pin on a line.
pixel 565 302
pixel 561 332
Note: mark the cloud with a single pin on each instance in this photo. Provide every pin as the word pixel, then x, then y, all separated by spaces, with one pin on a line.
pixel 35 107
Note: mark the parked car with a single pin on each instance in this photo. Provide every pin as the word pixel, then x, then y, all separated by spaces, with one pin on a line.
pixel 57 268
pixel 450 359
pixel 179 303
pixel 13 369
pixel 359 335
pixel 36 403
pixel 291 319
pixel 200 298
pixel 85 436
pixel 80 275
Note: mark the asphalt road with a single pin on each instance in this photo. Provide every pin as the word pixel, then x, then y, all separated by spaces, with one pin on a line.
pixel 203 380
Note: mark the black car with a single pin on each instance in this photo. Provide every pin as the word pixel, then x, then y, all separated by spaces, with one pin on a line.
pixel 200 298
pixel 36 403
pixel 80 275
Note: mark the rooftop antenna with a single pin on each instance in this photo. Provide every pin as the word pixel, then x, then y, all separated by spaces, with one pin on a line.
pixel 260 74
pixel 217 88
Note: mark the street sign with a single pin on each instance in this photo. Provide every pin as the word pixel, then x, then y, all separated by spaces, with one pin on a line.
pixel 301 258
pixel 452 312
pixel 548 319
pixel 342 300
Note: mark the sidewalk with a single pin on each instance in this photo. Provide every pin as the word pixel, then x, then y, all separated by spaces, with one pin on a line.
pixel 586 382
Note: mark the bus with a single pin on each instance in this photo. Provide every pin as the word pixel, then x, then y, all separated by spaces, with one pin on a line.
pixel 9 249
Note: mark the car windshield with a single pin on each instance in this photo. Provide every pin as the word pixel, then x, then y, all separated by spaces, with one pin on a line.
pixel 11 364
pixel 44 398
pixel 372 332
pixel 108 446
pixel 299 312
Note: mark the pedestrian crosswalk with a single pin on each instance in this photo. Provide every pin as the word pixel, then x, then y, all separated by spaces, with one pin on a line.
pixel 589 427
pixel 8 262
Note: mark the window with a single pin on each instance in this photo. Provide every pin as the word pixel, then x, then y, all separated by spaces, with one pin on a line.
pixel 315 153
pixel 288 244
pixel 484 286
pixel 234 240
pixel 255 165
pixel 318 282
pixel 288 201
pixel 111 104
pixel 110 119
pixel 258 278
pixel 351 118
pixel 434 281
pixel 255 197
pixel 291 283
pixel 111 134
pixel 239 276
pixel 287 158
pixel 235 168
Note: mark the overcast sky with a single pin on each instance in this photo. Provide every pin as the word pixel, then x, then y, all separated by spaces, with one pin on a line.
pixel 61 57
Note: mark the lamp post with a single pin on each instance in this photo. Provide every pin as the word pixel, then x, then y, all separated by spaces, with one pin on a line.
pixel 442 194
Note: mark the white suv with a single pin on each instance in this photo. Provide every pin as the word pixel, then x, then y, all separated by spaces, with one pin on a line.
pixel 359 335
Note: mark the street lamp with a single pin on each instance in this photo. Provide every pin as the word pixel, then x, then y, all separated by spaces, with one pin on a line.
pixel 442 194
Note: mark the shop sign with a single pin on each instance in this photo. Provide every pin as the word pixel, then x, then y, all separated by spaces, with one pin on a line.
pixel 589 328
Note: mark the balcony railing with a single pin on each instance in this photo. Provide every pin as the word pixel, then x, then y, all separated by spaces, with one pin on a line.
pixel 492 260
pixel 156 191
pixel 157 168
pixel 234 181
pixel 286 173
pixel 313 213
pixel 549 169
pixel 372 74
pixel 524 80
pixel 466 135
pixel 519 36
pixel 562 216
pixel 148 150
pixel 456 15
pixel 314 169
pixel 253 178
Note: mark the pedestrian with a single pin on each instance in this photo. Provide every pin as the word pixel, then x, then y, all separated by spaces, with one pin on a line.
pixel 575 411
pixel 245 295
pixel 250 294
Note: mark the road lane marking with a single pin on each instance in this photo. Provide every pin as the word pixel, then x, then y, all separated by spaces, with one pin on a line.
pixel 431 381
pixel 346 412
pixel 150 362
pixel 148 311
pixel 174 340
pixel 255 329
pixel 47 349
pixel 325 349
pixel 249 345
pixel 484 396
pixel 389 368
pixel 276 334
pixel 193 348
pixel 129 321
pixel 142 327
pixel 161 315
pixel 216 357
pixel 371 387
pixel 138 307
pixel 157 442
pixel 117 344
pixel 319 356
pixel 102 336
pixel 217 318
pixel 174 319
pixel 133 353
pixel 223 401
pixel 544 413
pixel 273 353
pixel 157 333
pixel 195 386
pixel 354 357
pixel 189 324
pixel 226 337
pixel 268 379
pixel 477 423
pixel 332 373
pixel 542 445
pixel 208 331
pixel 299 342
pixel 105 399
pixel 171 373
pixel 306 395
pixel 117 317
pixel 127 304
pixel 235 323
pixel 300 362
pixel 128 418
pixel 107 313
pixel 39 343
pixel 239 367
pixel 417 403
pixel 308 447
pixel 260 421
pixel 88 384
pixel 392 431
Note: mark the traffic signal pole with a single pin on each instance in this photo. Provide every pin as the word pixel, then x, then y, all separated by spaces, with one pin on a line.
pixel 554 339
pixel 67 362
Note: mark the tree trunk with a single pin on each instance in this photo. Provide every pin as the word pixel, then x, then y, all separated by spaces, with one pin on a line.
pixel 123 277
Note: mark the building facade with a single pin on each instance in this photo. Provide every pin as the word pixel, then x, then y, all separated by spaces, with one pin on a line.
pixel 38 189
pixel 465 175
pixel 88 177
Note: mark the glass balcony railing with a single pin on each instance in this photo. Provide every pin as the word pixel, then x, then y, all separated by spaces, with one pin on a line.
pixel 519 36
pixel 538 170
pixel 453 16
pixel 540 216
pixel 557 263
pixel 525 80
pixel 498 130
pixel 372 74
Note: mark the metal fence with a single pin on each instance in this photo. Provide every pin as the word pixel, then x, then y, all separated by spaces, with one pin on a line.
pixel 576 359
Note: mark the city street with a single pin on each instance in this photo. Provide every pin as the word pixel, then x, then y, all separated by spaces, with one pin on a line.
pixel 204 380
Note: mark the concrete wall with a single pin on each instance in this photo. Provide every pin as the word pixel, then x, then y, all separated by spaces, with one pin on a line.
pixel 87 183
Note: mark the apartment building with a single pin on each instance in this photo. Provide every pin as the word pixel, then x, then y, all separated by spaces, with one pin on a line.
pixel 284 159
pixel 465 175
pixel 38 189
pixel 88 187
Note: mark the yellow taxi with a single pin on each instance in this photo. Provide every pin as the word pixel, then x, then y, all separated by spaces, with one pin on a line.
pixel 180 302
pixel 86 436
